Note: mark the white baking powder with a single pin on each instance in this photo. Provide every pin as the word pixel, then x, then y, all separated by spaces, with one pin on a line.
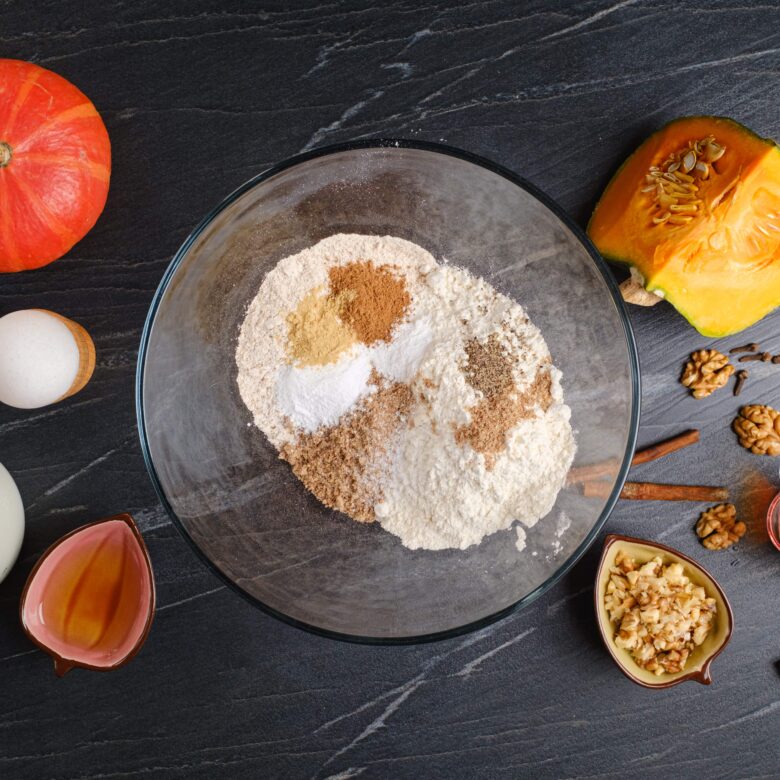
pixel 313 396
pixel 400 359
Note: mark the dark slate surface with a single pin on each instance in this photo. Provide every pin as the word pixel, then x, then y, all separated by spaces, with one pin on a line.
pixel 198 97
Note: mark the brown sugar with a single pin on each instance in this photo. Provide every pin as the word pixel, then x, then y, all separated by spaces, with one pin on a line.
pixel 372 299
pixel 341 465
pixel 489 370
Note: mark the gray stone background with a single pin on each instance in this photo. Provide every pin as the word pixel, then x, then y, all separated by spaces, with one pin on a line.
pixel 197 98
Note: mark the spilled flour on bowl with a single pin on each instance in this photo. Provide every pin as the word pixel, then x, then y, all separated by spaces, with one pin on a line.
pixel 405 391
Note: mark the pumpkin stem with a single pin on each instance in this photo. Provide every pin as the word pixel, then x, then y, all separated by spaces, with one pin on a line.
pixel 6 153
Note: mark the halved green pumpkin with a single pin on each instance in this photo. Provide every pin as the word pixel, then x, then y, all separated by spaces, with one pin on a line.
pixel 695 211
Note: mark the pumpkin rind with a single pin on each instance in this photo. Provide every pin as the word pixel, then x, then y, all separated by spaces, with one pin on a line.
pixel 721 271
pixel 54 186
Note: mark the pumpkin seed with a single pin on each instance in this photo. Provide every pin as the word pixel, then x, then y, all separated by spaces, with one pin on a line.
pixel 713 152
pixel 688 161
pixel 676 181
pixel 677 190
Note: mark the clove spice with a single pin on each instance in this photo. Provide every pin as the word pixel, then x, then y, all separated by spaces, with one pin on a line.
pixel 764 357
pixel 741 377
pixel 752 347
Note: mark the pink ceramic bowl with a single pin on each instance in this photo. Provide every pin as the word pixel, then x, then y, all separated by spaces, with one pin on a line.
pixel 90 599
pixel 773 521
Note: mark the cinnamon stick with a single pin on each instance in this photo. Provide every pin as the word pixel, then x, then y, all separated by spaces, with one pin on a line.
pixel 594 471
pixel 654 452
pixel 652 491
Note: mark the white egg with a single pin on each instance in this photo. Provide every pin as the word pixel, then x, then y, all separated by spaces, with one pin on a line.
pixel 11 522
pixel 39 359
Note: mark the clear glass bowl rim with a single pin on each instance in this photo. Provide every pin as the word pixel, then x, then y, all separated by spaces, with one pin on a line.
pixel 436 148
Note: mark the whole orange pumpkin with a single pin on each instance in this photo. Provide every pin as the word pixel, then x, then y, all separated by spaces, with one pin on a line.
pixel 55 165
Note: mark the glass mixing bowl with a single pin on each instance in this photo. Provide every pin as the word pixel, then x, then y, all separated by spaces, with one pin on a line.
pixel 241 507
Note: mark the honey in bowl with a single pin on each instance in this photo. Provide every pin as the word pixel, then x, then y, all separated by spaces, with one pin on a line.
pixel 90 599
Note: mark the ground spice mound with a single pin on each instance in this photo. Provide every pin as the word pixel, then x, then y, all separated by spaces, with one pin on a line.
pixel 372 299
pixel 488 367
pixel 489 370
pixel 340 465
pixel 316 335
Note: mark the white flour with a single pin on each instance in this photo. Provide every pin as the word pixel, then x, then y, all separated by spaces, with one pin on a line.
pixel 437 493
pixel 521 536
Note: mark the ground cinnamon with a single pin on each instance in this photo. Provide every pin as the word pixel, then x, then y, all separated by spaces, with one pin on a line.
pixel 372 299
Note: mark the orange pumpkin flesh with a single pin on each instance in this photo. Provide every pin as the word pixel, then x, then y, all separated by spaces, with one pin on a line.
pixel 721 269
pixel 55 165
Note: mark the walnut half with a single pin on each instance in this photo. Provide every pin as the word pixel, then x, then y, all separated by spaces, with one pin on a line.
pixel 758 428
pixel 718 527
pixel 706 371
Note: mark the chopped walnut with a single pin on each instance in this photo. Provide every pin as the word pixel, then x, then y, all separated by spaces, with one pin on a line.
pixel 706 371
pixel 718 527
pixel 660 615
pixel 758 428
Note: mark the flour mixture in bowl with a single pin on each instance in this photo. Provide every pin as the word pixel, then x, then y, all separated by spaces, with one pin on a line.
pixel 405 391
